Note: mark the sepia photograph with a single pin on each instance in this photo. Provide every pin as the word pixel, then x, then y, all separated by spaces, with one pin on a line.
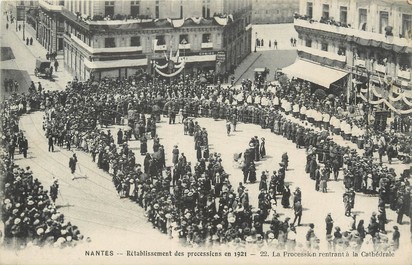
pixel 206 132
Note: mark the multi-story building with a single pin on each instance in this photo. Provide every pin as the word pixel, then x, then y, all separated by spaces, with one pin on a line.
pixel 116 38
pixel 51 25
pixel 23 11
pixel 342 40
pixel 274 11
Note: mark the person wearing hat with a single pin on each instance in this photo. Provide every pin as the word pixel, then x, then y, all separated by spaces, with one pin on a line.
pixel 54 189
pixel 329 224
pixel 297 207
pixel 72 163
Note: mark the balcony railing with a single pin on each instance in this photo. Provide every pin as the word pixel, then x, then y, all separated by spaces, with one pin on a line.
pixel 380 68
pixel 320 53
pixel 364 35
pixel 360 62
pixel 206 45
pixel 404 74
pixel 161 47
pixel 184 46
pixel 106 50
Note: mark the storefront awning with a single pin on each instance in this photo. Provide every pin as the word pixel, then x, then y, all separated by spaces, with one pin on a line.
pixel 314 73
pixel 115 63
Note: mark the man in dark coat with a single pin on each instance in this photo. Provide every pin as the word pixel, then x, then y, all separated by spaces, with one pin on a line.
pixel 329 224
pixel 54 189
pixel 72 163
pixel 297 207
pixel 24 145
pixel 51 143
pixel 120 137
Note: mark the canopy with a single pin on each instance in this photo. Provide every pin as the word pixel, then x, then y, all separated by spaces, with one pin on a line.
pixel 314 73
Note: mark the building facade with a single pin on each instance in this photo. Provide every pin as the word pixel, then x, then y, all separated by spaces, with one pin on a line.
pixel 51 25
pixel 117 38
pixel 274 11
pixel 348 39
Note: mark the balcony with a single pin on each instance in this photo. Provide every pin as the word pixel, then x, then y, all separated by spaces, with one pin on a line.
pixel 359 36
pixel 184 46
pixel 360 62
pixel 104 50
pixel 404 74
pixel 320 53
pixel 207 45
pixel 161 47
pixel 380 68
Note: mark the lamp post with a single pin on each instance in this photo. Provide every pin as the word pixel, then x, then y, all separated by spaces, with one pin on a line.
pixel 255 40
pixel 24 25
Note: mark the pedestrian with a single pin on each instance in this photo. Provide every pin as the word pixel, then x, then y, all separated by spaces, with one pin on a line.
pixel 39 87
pixel 16 86
pixel 31 40
pixel 19 27
pixel 72 164
pixel 270 43
pixel 27 41
pixel 262 150
pixel 7 25
pixel 329 224
pixel 395 237
pixel 23 146
pixel 54 189
pixel 275 44
pixel 228 127
pixel 285 197
pixel 175 158
pixel 47 56
pixel 310 235
pixel 291 41
pixel 120 137
pixel 324 180
pixel 297 207
pixel 143 145
pixel 51 142
pixel 56 65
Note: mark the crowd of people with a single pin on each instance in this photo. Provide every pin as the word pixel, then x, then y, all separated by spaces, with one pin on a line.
pixel 198 205
pixel 150 184
pixel 29 215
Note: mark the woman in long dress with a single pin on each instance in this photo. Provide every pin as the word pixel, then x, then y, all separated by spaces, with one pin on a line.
pixel 286 197
pixel 262 150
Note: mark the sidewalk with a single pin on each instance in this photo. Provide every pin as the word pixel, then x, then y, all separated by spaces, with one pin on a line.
pixel 61 77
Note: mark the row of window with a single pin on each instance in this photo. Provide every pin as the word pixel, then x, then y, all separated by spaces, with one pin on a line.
pixel 325 47
pixel 135 9
pixel 363 17
pixel 161 40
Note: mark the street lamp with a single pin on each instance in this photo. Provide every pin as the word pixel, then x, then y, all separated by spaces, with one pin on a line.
pixel 24 25
pixel 255 40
